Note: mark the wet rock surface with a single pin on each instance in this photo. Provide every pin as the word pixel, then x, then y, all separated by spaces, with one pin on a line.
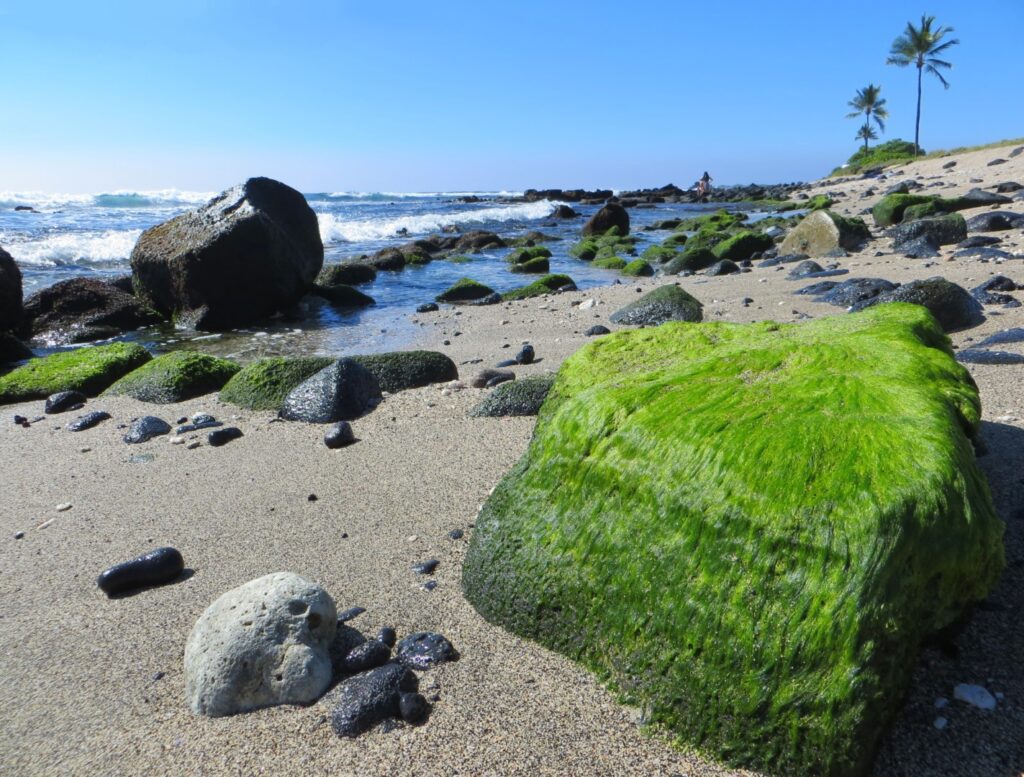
pixel 423 650
pixel 145 429
pixel 366 655
pixel 361 702
pixel 79 310
pixel 341 392
pixel 339 435
pixel 953 307
pixel 519 398
pixel 63 401
pixel 223 436
pixel 491 377
pixel 666 303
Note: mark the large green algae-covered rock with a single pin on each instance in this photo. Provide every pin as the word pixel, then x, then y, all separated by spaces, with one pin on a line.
pixel 742 246
pixel 889 210
pixel 264 384
pixel 515 398
pixel 665 303
pixel 89 370
pixel 823 232
pixel 748 529
pixel 464 290
pixel 175 377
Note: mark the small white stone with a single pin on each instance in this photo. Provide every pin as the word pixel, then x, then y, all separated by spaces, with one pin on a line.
pixel 44 524
pixel 63 507
pixel 940 723
pixel 413 538
pixel 975 695
pixel 177 440
pixel 587 304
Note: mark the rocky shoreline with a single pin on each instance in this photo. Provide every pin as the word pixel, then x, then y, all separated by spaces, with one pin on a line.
pixel 277 498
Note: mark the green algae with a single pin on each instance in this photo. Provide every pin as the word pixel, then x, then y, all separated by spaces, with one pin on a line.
pixel 545 285
pixel 720 220
pixel 401 370
pixel 264 384
pixel 536 265
pixel 525 254
pixel 742 246
pixel 658 254
pixel 638 268
pixel 89 370
pixel 515 398
pixel 464 290
pixel 175 377
pixel 748 529
pixel 610 263
pixel 889 210
pixel 691 260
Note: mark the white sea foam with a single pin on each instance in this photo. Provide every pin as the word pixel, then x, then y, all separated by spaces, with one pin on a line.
pixel 116 199
pixel 335 229
pixel 410 195
pixel 76 248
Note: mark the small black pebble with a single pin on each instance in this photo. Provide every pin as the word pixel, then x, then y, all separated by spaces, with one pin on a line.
pixel 425 567
pixel 154 568
pixel 223 436
pixel 597 329
pixel 525 355
pixel 430 585
pixel 456 534
pixel 63 401
pixel 747 301
pixel 20 420
pixel 436 697
pixel 387 635
pixel 18 535
pixel 446 342
pixel 158 676
pixel 182 420
pixel 413 707
pixel 312 498
pixel 350 613
pixel 344 535
pixel 507 363
pixel 367 655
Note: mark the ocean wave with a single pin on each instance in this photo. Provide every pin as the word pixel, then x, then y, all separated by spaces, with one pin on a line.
pixel 117 199
pixel 335 229
pixel 392 196
pixel 76 248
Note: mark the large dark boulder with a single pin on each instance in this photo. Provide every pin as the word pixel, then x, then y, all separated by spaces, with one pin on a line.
pixel 665 303
pixel 80 310
pixel 856 290
pixel 340 392
pixel 938 231
pixel 953 306
pixel 692 521
pixel 515 398
pixel 245 255
pixel 995 221
pixel 401 370
pixel 12 350
pixel 610 216
pixel 10 292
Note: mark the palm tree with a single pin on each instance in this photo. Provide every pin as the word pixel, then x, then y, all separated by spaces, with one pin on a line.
pixel 867 133
pixel 920 46
pixel 868 102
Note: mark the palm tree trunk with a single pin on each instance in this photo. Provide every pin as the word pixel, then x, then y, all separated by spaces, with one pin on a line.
pixel 865 135
pixel 917 122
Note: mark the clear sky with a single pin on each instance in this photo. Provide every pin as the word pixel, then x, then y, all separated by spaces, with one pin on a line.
pixel 469 94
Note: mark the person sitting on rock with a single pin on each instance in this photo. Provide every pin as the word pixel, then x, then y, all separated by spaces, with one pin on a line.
pixel 704 184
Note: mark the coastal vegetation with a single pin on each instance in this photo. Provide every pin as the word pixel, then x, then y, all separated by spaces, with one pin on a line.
pixel 868 102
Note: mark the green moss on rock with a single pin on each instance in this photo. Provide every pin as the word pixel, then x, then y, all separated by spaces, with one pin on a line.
pixel 515 398
pixel 585 249
pixel 889 210
pixel 401 370
pixel 526 253
pixel 545 285
pixel 665 303
pixel 742 246
pixel 748 530
pixel 610 263
pixel 343 296
pixel 264 384
pixel 89 370
pixel 720 220
pixel 175 377
pixel 658 254
pixel 464 290
pixel 347 273
pixel 536 265
pixel 691 260
pixel 638 268
pixel 678 240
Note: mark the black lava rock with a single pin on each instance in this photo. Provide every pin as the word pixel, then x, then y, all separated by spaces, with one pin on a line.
pixel 817 289
pixel 423 650
pixel 805 268
pixel 952 305
pixel 857 290
pixel 427 307
pixel 519 398
pixel 195 427
pixel 64 400
pixel 597 329
pixel 488 377
pixel 723 267
pixel 979 241
pixel 146 428
pixel 456 534
pixel 88 421
pixel 983 356
pixel 940 230
pixel 426 567
pixel 363 701
pixel 368 655
pixel 987 292
pixel 994 222
pixel 350 613
pixel 387 636
pixel 525 355
pixel 340 392
pixel 339 435
pixel 412 707
pixel 154 568
pixel 223 436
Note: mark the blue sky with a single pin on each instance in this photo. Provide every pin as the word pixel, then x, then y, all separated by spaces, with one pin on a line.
pixel 452 95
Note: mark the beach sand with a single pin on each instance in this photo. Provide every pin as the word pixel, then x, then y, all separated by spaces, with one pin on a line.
pixel 90 685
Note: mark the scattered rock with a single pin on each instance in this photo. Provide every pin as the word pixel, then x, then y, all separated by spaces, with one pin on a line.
pixel 995 221
pixel 823 232
pixel 63 401
pixel 413 707
pixel 401 370
pixel 363 701
pixel 611 216
pixel 598 329
pixel 856 290
pixel 491 377
pixel 264 384
pixel 346 273
pixel 89 370
pixel 367 655
pixel 339 435
pixel 250 252
pixel 938 230
pixel 263 643
pixel 975 695
pixel 154 568
pixel 424 650
pixel 80 310
pixel 146 428
pixel 427 307
pixel 340 392
pixel 219 437
pixel 456 534
pixel 426 567
pixel 387 635
pixel 722 267
pixel 88 421
pixel 805 268
pixel 979 241
pixel 350 613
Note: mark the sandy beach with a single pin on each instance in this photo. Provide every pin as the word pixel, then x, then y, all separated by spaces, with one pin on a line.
pixel 91 685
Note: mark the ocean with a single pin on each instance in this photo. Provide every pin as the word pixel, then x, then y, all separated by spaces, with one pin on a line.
pixel 66 236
